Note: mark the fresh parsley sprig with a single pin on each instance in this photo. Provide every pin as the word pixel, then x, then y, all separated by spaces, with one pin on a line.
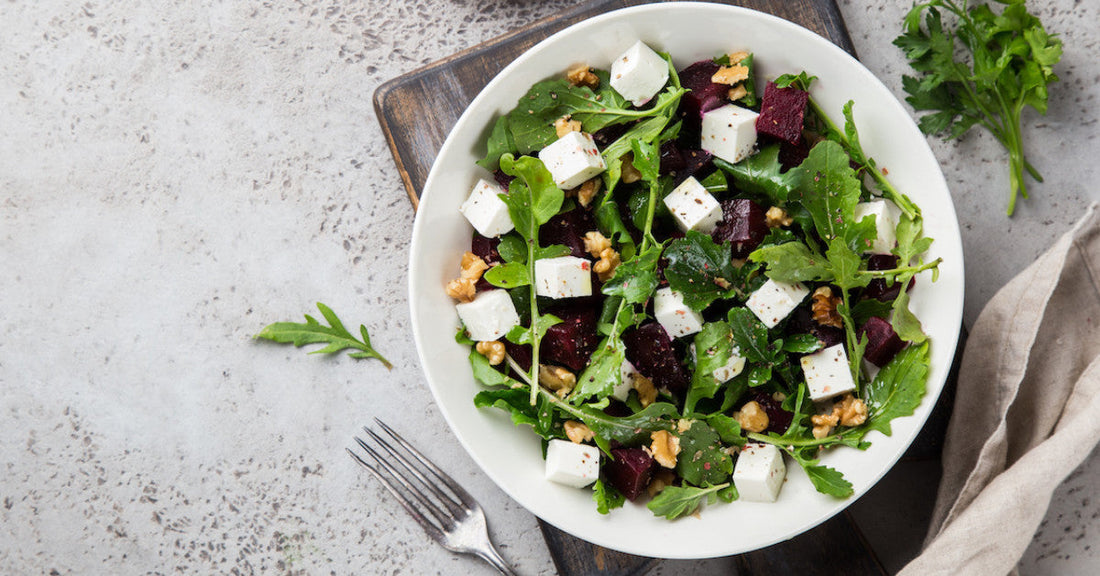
pixel 1005 64
pixel 334 335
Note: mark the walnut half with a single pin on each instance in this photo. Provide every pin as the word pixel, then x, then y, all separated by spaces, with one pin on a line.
pixel 557 379
pixel 752 417
pixel 578 432
pixel 493 350
pixel 824 308
pixel 665 448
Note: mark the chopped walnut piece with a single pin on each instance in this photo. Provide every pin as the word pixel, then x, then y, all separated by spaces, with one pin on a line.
pixel 737 92
pixel 582 75
pixel 776 217
pixel 595 243
pixel 587 191
pixel 472 266
pixel 823 424
pixel 730 75
pixel 722 283
pixel 738 56
pixel 662 479
pixel 647 392
pixel 578 432
pixel 824 308
pixel 851 410
pixel 629 174
pixel 609 261
pixel 665 448
pixel 565 125
pixel 557 379
pixel 493 350
pixel 752 417
pixel 683 425
pixel 462 289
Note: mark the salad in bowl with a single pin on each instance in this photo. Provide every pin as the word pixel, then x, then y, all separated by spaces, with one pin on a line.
pixel 688 280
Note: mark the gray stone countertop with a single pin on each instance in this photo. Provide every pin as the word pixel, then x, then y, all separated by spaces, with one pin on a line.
pixel 174 176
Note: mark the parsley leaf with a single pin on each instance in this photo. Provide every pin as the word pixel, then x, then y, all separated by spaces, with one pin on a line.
pixel 1004 64
pixel 334 335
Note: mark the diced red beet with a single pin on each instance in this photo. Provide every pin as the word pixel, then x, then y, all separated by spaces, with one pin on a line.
pixel 503 179
pixel 521 353
pixel 568 229
pixel 571 342
pixel 630 471
pixel 605 136
pixel 778 418
pixel 672 161
pixel 877 288
pixel 802 322
pixel 650 350
pixel 486 249
pixel 882 342
pixel 743 224
pixel 704 96
pixel 793 155
pixel 782 111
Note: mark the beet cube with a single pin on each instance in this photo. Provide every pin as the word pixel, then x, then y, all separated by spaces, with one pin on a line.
pixel 877 288
pixel 571 342
pixel 486 249
pixel 672 160
pixel 630 471
pixel 802 322
pixel 778 418
pixel 503 179
pixel 568 229
pixel 521 353
pixel 604 137
pixel 882 342
pixel 791 155
pixel 782 111
pixel 704 96
pixel 650 350
pixel 743 224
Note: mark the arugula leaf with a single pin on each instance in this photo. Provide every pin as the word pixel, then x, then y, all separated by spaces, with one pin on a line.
pixel 762 174
pixel 712 351
pixel 749 100
pixel 520 335
pixel 334 335
pixel 897 389
pixel 625 429
pixel 607 498
pixel 636 279
pixel 715 183
pixel 512 248
pixel 829 189
pixel 749 335
pixel 1005 64
pixel 486 374
pixel 603 372
pixel 515 402
pixel 728 429
pixel 802 80
pixel 792 262
pixel 677 501
pixel 701 270
pixel 703 459
pixel 825 479
pixel 609 220
pixel 508 275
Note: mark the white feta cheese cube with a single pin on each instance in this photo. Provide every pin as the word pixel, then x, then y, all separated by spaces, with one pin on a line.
pixel 576 465
pixel 490 316
pixel 572 159
pixel 886 221
pixel 563 277
pixel 759 473
pixel 628 372
pixel 674 316
pixel 732 368
pixel 486 211
pixel 773 301
pixel 693 207
pixel 639 73
pixel 828 373
pixel 729 132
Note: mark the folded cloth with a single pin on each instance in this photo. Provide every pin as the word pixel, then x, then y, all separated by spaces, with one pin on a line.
pixel 1026 412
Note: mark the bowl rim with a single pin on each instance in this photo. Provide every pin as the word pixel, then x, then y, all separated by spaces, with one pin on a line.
pixel 949 344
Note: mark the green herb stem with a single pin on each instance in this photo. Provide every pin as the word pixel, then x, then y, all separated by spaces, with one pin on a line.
pixel 533 376
pixel 902 270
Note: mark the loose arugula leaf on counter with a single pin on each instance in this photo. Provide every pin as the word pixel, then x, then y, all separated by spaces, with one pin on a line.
pixel 701 270
pixel 676 501
pixel 762 174
pixel 607 498
pixel 334 335
pixel 1005 64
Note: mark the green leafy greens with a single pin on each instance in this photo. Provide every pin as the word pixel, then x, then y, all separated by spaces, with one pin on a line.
pixel 1006 63
pixel 334 335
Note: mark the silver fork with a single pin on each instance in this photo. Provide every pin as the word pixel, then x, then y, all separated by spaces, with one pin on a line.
pixel 451 517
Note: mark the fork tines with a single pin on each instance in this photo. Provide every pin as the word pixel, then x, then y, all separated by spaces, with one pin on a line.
pixel 410 476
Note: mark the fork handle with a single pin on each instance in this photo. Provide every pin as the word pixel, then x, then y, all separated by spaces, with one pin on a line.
pixel 491 556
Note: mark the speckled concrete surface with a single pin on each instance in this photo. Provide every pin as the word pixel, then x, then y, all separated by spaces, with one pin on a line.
pixel 173 176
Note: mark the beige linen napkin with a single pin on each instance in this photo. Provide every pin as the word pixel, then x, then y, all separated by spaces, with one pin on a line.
pixel 1027 411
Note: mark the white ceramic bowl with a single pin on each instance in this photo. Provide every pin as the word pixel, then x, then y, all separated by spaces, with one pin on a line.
pixel 689 32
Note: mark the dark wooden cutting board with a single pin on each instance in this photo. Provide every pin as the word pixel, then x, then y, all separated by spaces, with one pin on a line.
pixel 416 112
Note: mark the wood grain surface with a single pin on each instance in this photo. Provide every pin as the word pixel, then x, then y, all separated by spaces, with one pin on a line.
pixel 416 116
